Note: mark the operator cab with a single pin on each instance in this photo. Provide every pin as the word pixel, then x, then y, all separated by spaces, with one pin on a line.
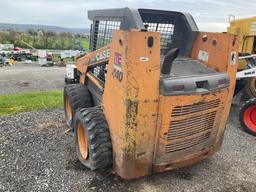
pixel 178 32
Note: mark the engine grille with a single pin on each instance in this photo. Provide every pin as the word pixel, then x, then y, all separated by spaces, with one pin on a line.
pixel 188 127
pixel 188 132
pixel 188 109
pixel 186 144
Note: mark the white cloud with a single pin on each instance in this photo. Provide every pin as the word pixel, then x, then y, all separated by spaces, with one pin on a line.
pixel 210 15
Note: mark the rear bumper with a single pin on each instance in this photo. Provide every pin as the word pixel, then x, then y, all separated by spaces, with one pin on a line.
pixel 184 162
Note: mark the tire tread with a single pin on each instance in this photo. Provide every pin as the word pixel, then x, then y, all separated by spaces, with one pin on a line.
pixel 100 147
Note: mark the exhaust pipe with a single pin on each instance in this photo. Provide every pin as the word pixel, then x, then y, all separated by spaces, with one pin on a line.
pixel 168 60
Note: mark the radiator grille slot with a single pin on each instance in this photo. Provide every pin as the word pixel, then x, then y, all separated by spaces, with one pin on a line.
pixel 198 107
pixel 191 126
pixel 187 144
pixel 191 131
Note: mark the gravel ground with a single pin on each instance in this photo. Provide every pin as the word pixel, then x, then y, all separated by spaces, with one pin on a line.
pixel 37 155
pixel 27 77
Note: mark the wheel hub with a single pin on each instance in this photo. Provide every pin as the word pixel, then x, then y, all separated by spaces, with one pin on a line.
pixel 82 141
pixel 250 117
pixel 68 108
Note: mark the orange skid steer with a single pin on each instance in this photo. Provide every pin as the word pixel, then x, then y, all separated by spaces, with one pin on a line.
pixel 152 95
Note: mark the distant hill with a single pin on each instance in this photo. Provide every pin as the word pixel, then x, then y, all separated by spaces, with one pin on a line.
pixel 56 29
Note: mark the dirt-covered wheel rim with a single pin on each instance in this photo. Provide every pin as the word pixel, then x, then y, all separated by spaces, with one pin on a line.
pixel 68 109
pixel 250 118
pixel 253 86
pixel 82 141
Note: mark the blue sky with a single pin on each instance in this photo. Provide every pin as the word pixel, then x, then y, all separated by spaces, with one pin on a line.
pixel 210 15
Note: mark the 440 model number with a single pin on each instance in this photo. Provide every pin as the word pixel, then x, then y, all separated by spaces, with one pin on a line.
pixel 118 74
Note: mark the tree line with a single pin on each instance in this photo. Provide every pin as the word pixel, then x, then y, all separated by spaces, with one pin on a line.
pixel 44 39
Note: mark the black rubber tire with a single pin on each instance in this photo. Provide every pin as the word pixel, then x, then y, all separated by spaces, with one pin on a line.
pixel 249 91
pixel 80 97
pixel 246 105
pixel 97 133
pixel 68 81
pixel 240 84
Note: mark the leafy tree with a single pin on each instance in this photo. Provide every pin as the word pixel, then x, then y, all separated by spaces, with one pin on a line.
pixel 43 39
pixel 46 36
pixel 33 33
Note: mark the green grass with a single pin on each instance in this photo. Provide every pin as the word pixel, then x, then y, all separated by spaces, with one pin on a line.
pixel 30 101
pixel 85 43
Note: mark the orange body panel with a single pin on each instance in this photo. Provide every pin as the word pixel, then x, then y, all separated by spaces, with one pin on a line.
pixel 188 127
pixel 95 57
pixel 142 122
pixel 224 58
pixel 131 105
pixel 94 80
pixel 217 46
pixel 183 116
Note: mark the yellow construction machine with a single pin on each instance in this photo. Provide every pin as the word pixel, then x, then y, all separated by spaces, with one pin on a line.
pixel 152 95
pixel 245 30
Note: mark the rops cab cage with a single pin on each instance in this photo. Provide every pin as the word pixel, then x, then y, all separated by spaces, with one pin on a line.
pixel 177 29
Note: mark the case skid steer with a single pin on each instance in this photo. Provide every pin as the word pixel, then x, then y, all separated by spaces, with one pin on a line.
pixel 153 94
pixel 245 29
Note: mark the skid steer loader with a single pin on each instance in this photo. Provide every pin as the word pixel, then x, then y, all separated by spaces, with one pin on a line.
pixel 153 94
pixel 245 29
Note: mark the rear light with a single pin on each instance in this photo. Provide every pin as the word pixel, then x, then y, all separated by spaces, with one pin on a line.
pixel 178 88
pixel 222 81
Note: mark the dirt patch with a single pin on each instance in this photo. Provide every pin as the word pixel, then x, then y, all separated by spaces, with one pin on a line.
pixel 28 77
